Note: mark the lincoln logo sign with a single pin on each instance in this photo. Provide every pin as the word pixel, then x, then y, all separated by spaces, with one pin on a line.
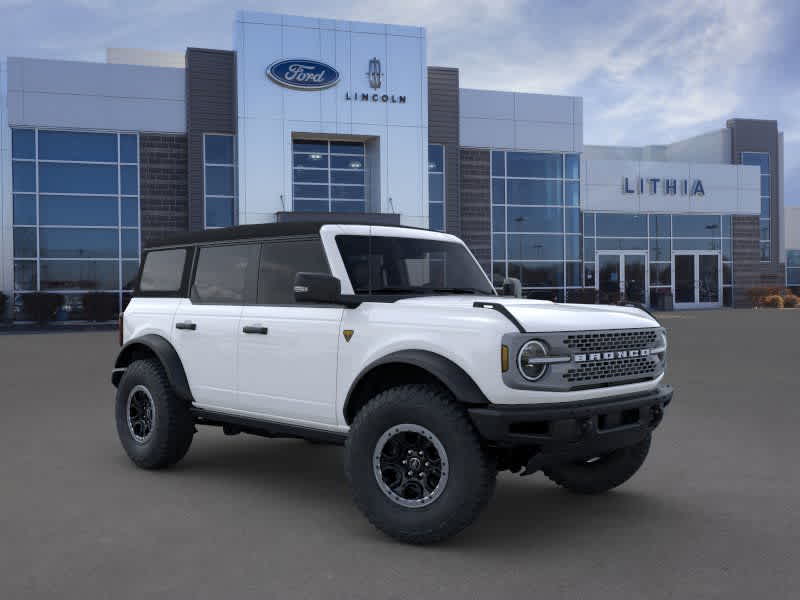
pixel 302 74
pixel 667 186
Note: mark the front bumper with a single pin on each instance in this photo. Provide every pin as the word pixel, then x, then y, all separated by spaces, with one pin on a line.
pixel 565 431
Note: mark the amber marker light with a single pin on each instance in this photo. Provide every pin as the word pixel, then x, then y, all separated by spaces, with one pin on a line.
pixel 504 358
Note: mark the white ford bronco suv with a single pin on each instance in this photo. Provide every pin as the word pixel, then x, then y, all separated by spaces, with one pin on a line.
pixel 393 342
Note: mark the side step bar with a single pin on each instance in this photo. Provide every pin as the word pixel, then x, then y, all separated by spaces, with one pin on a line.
pixel 236 423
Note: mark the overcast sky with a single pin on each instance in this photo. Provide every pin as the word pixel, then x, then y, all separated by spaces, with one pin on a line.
pixel 650 72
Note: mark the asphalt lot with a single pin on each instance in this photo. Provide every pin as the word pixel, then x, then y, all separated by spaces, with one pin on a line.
pixel 715 512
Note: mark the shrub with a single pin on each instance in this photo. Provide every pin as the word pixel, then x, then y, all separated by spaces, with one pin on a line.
pixel 41 306
pixel 758 295
pixel 790 301
pixel 98 306
pixel 773 301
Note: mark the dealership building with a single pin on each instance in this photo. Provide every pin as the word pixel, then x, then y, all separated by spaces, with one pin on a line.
pixel 313 116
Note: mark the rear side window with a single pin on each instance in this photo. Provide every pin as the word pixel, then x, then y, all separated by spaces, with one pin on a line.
pixel 281 261
pixel 223 273
pixel 163 271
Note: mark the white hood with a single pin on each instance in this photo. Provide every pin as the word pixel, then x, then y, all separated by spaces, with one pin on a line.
pixel 540 316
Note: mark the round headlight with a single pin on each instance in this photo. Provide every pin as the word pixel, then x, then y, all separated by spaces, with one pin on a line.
pixel 526 360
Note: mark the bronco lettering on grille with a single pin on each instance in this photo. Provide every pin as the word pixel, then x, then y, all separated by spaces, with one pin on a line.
pixel 610 355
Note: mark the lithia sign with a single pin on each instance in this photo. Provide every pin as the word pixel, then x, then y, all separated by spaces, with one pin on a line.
pixel 306 74
pixel 667 186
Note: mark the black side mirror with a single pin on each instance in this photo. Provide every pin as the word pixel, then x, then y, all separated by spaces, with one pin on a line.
pixel 317 287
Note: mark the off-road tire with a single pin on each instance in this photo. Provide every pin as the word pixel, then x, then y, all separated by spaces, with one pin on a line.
pixel 172 428
pixel 471 476
pixel 603 474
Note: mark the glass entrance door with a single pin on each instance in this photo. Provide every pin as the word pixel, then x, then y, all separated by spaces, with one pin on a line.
pixel 697 279
pixel 622 276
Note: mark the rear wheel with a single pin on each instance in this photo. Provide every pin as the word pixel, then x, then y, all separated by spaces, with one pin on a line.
pixel 601 473
pixel 416 465
pixel 154 426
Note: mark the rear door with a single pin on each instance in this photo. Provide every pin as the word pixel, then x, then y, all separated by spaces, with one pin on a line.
pixel 205 325
pixel 287 351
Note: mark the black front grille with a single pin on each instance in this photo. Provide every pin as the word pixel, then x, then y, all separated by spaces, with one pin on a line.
pixel 635 339
pixel 618 368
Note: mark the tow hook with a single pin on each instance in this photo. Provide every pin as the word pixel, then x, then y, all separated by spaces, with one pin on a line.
pixel 656 414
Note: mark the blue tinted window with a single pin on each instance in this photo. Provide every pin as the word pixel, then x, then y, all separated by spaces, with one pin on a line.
pixel 219 149
pixel 23 176
pixel 25 275
pixel 78 243
pixel 24 209
pixel 572 247
pixel 345 162
pixel 130 243
pixel 588 224
pixel 130 212
pixel 312 175
pixel 498 218
pixel 357 177
pixel 219 212
pixel 727 223
pixel 219 181
pixel 538 274
pixel 793 258
pixel 764 229
pixel 765 208
pixel 624 225
pixel 527 191
pixel 311 205
pixel 80 275
pixel 572 190
pixel 78 179
pixel 435 158
pixel 588 249
pixel 537 220
pixel 696 225
pixel 23 143
pixel 498 163
pixel 77 210
pixel 130 270
pixel 313 161
pixel 572 220
pixel 766 251
pixel 73 145
pixel 695 244
pixel 24 242
pixel 759 159
pixel 347 148
pixel 529 164
pixel 498 191
pixel 621 244
pixel 660 226
pixel 347 192
pixel 310 146
pixel 499 246
pixel 573 274
pixel 765 185
pixel 535 247
pixel 129 183
pixel 727 249
pixel 660 249
pixel 128 149
pixel 348 206
pixel 793 277
pixel 436 187
pixel 573 166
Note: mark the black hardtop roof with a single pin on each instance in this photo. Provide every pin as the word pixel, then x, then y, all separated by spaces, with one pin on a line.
pixel 257 231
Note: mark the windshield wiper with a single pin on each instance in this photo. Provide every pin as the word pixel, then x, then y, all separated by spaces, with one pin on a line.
pixel 394 290
pixel 459 290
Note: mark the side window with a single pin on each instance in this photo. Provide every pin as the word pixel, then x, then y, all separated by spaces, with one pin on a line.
pixel 163 271
pixel 221 276
pixel 281 261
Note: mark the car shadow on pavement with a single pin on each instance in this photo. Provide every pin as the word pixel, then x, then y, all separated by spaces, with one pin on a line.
pixel 523 513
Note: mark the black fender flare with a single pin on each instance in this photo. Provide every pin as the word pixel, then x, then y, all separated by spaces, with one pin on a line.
pixel 166 355
pixel 453 377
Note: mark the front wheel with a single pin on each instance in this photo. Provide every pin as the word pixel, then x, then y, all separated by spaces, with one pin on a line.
pixel 416 465
pixel 601 473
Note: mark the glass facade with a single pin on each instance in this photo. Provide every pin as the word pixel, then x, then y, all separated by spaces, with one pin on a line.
pixel 328 176
pixel 536 221
pixel 436 187
pixel 761 160
pixel 658 235
pixel 219 169
pixel 793 268
pixel 75 215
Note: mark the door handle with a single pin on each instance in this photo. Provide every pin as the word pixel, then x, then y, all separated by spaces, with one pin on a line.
pixel 255 329
pixel 186 325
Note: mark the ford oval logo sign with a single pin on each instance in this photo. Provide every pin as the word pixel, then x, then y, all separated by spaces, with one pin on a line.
pixel 303 74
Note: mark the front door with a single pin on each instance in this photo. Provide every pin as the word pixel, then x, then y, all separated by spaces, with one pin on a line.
pixel 622 276
pixel 697 279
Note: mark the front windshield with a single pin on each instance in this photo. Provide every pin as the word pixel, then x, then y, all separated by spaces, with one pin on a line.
pixel 397 265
